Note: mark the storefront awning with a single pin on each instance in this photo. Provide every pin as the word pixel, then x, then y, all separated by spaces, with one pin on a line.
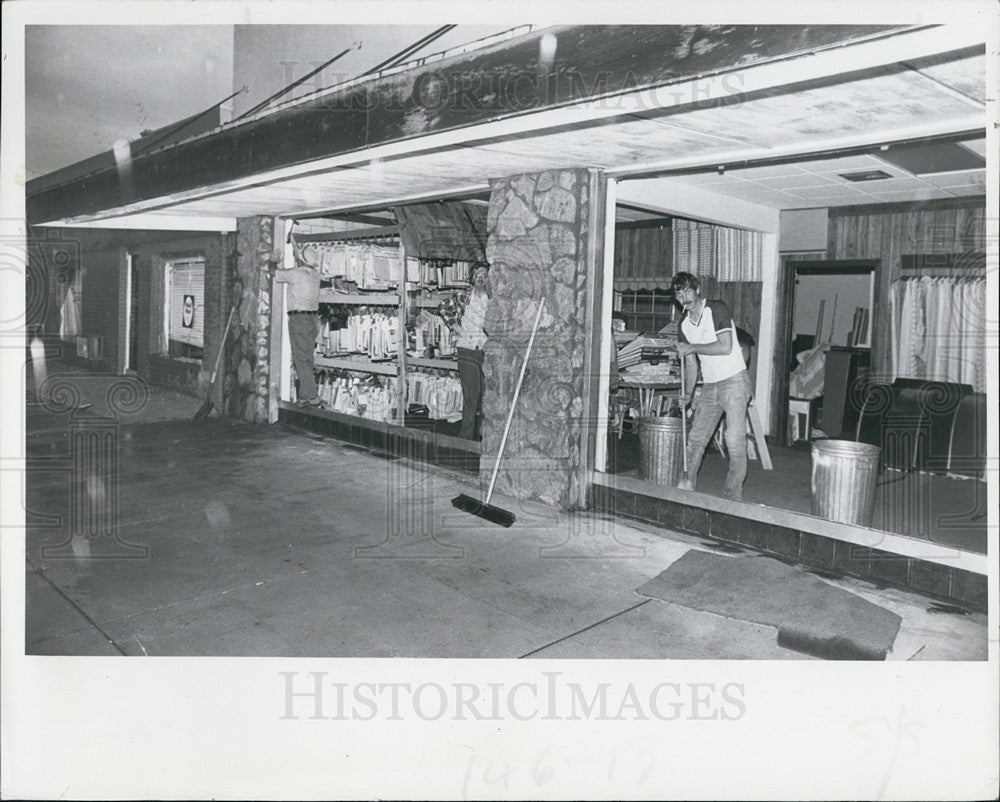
pixel 643 284
pixel 256 162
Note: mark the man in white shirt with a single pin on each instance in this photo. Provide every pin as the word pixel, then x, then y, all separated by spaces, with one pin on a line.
pixel 706 335
pixel 303 282
pixel 465 314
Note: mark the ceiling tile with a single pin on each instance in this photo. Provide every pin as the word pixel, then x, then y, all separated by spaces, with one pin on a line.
pixel 975 179
pixel 823 195
pixel 768 171
pixel 929 193
pixel 842 164
pixel 756 194
pixel 794 181
pixel 887 184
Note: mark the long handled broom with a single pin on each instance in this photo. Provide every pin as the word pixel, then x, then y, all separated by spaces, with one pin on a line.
pixel 483 509
pixel 684 426
pixel 205 409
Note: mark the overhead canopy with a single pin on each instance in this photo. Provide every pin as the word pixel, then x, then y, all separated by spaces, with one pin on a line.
pixel 633 101
pixel 452 230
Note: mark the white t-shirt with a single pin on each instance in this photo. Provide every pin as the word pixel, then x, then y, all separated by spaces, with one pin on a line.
pixel 471 334
pixel 715 319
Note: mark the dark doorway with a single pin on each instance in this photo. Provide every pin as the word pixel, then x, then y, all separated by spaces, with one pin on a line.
pixel 133 315
pixel 827 303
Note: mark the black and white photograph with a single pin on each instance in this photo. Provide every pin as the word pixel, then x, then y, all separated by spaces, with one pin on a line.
pixel 525 401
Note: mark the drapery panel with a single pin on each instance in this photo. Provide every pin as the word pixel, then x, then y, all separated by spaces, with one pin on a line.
pixel 726 254
pixel 940 328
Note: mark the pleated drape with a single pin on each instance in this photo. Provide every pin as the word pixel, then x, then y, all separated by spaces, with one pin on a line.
pixel 726 254
pixel 941 329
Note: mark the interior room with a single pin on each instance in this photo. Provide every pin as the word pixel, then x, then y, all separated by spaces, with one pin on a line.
pixel 852 231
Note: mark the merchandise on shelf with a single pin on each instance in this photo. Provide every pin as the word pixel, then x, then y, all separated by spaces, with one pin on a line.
pixel 365 395
pixel 442 395
pixel 437 274
pixel 372 333
pixel 431 337
pixel 366 265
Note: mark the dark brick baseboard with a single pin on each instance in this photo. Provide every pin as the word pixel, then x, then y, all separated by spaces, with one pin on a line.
pixel 387 439
pixel 954 585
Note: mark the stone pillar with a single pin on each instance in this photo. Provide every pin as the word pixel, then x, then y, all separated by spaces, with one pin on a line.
pixel 247 359
pixel 545 233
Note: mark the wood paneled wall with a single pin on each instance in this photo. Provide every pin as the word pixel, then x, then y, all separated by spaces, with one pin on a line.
pixel 644 253
pixel 887 232
pixel 744 299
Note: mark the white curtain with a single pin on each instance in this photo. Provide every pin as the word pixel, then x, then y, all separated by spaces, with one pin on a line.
pixel 942 329
pixel 69 319
pixel 726 254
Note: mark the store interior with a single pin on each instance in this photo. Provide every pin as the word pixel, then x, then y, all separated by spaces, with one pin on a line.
pixel 929 479
pixel 383 276
pixel 369 307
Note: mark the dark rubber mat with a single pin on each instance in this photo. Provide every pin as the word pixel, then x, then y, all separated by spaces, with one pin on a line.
pixel 811 616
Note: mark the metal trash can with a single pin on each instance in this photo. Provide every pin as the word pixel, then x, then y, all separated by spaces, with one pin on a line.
pixel 844 477
pixel 661 443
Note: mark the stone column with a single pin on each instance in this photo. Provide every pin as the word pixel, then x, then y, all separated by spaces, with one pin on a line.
pixel 543 242
pixel 247 359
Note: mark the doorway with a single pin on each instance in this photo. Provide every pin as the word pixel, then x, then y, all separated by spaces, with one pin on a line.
pixel 825 343
pixel 131 314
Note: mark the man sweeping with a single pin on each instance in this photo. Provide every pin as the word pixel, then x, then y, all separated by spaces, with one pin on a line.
pixel 706 336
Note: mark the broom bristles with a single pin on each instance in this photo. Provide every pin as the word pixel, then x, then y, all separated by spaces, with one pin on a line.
pixel 487 512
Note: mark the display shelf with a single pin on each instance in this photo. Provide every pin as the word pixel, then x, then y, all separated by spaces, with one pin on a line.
pixel 385 298
pixel 425 362
pixel 362 364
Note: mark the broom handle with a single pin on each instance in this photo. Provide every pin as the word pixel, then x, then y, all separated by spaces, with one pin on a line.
pixel 513 403
pixel 684 427
pixel 222 347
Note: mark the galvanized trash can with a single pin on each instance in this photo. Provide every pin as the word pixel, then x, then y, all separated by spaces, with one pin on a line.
pixel 661 458
pixel 844 477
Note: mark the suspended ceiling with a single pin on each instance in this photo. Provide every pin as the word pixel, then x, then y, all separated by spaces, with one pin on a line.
pixel 901 100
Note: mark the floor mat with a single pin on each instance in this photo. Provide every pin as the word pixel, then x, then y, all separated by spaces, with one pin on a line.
pixel 811 616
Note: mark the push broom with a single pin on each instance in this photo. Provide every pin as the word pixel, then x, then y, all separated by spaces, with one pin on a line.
pixel 483 509
pixel 684 430
pixel 206 408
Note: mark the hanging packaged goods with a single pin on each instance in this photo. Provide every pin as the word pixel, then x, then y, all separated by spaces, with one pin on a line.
pixel 363 265
pixel 442 395
pixel 382 348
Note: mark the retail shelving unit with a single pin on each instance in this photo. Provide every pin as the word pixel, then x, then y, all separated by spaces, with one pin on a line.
pixel 400 299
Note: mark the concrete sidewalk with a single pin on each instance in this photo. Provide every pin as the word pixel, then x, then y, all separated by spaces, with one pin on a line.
pixel 234 539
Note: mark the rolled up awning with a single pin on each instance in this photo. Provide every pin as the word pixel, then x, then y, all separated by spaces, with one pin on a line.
pixel 642 284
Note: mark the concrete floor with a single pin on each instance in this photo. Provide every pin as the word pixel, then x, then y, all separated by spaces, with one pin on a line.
pixel 235 539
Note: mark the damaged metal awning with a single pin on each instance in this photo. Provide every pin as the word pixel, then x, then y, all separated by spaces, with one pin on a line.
pixel 631 100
